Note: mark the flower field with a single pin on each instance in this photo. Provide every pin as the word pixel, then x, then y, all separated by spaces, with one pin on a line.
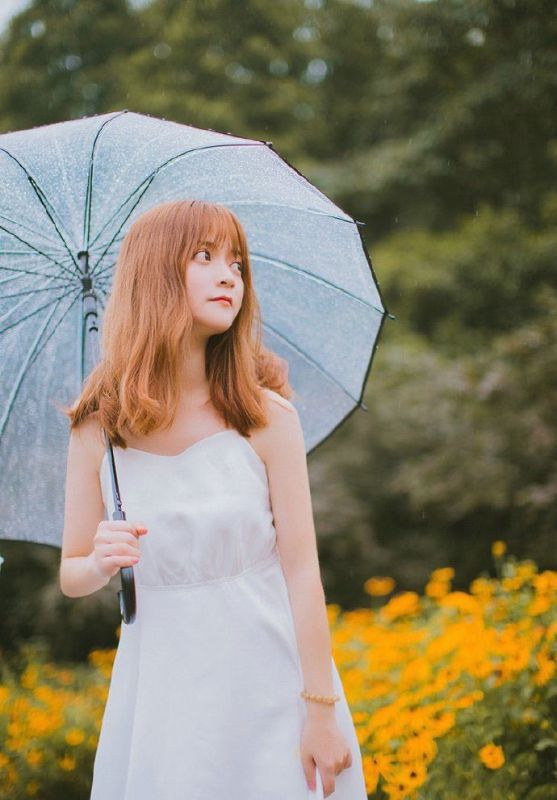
pixel 453 694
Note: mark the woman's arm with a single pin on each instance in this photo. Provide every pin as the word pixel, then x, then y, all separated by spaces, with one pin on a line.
pixel 83 511
pixel 285 456
pixel 93 548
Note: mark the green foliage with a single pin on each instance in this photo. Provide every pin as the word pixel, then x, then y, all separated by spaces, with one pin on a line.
pixel 463 287
pixel 443 106
pixel 465 444
pixel 63 59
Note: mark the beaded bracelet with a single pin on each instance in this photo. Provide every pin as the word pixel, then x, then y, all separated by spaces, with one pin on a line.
pixel 320 698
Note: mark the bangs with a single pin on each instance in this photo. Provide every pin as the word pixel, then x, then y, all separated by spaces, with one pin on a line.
pixel 217 227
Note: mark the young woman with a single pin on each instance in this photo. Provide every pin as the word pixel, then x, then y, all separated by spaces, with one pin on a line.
pixel 224 685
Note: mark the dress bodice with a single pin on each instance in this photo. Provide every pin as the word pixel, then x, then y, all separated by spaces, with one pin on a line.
pixel 207 509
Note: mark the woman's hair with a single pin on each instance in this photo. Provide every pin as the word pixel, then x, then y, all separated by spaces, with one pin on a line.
pixel 147 324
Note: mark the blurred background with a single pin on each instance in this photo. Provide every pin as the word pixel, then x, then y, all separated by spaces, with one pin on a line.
pixel 435 124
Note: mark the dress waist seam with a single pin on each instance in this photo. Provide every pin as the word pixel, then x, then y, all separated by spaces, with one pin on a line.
pixel 255 567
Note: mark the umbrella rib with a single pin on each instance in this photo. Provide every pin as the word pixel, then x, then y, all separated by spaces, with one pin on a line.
pixel 36 249
pixel 45 203
pixel 89 189
pixel 310 360
pixel 102 289
pixel 104 271
pixel 32 313
pixel 53 331
pixel 9 279
pixel 31 356
pixel 302 209
pixel 152 175
pixel 42 199
pixel 21 225
pixel 310 276
pixel 35 291
pixel 23 253
pixel 22 271
pixel 107 248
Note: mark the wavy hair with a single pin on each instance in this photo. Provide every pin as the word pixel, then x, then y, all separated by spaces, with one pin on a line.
pixel 135 387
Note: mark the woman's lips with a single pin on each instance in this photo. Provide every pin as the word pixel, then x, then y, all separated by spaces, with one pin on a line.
pixel 221 300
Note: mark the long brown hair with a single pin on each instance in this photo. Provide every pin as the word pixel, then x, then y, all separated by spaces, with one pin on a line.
pixel 147 324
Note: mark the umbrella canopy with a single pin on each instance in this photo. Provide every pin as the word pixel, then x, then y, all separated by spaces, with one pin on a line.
pixel 68 194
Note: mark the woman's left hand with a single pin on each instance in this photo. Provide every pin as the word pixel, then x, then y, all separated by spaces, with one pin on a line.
pixel 324 747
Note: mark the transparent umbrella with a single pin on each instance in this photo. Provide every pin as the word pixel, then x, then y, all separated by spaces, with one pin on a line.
pixel 68 194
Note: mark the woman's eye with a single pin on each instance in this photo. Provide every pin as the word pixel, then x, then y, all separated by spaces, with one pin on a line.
pixel 239 263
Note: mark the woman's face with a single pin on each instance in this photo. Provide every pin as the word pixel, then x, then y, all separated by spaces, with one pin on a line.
pixel 214 273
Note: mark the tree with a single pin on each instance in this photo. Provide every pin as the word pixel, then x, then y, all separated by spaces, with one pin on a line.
pixel 63 59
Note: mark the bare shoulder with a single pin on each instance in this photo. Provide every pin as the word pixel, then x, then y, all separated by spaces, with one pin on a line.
pixel 88 438
pixel 283 430
pixel 273 399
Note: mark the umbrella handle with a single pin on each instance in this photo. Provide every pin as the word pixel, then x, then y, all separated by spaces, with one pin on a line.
pixel 126 595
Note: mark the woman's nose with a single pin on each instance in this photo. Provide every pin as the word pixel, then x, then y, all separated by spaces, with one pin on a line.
pixel 227 276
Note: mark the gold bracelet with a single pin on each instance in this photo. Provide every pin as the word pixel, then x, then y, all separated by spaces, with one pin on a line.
pixel 320 698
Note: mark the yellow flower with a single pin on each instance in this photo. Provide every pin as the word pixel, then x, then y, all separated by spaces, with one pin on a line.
pixel 498 548
pixel 436 589
pixel 482 588
pixel 29 676
pixel 75 736
pixel 539 605
pixel 371 773
pixel 4 695
pixel 407 778
pixel 492 756
pixel 512 583
pixel 379 585
pixel 551 631
pixel 462 602
pixel 415 671
pixel 465 701
pixel 442 574
pixel 439 725
pixel 383 763
pixel 421 747
pixel 546 670
pixel 545 582
pixel 527 569
pixel 67 763
pixel 34 758
pixel 402 604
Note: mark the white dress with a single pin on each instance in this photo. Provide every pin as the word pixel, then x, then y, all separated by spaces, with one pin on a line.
pixel 204 697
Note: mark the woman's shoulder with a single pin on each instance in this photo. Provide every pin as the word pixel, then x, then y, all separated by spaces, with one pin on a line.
pixel 283 435
pixel 90 433
pixel 283 420
pixel 277 398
